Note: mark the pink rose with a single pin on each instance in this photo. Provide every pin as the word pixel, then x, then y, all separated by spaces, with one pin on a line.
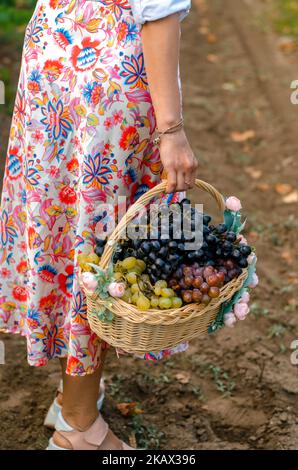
pixel 255 281
pixel 89 281
pixel 245 297
pixel 241 310
pixel 230 319
pixel 233 204
pixel 251 258
pixel 242 240
pixel 116 289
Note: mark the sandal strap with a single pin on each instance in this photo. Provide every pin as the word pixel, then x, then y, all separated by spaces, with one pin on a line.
pixel 96 434
pixel 86 440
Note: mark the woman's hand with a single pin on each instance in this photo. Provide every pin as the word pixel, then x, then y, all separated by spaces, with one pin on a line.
pixel 178 161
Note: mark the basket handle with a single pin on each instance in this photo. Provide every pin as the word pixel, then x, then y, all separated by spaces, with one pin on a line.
pixel 139 204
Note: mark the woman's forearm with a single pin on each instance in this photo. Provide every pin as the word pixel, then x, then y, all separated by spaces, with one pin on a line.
pixel 161 42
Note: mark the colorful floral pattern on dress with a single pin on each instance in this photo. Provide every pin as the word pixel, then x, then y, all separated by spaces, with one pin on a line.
pixel 81 135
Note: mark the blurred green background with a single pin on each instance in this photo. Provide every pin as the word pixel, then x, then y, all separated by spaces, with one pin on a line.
pixel 286 17
pixel 14 14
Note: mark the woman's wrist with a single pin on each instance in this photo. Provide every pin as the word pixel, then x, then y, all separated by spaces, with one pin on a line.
pixel 163 124
pixel 173 129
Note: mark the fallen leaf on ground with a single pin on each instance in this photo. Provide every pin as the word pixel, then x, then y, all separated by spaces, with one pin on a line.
pixel 203 30
pixel 211 38
pixel 287 256
pixel 228 86
pixel 291 197
pixel 213 58
pixel 254 173
pixel 263 186
pixel 287 46
pixel 129 409
pixel 183 377
pixel 292 278
pixel 283 188
pixel 242 136
pixel 132 440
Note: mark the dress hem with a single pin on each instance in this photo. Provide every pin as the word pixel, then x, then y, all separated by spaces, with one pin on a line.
pixel 45 361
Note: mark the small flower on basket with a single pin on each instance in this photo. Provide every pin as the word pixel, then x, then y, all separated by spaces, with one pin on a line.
pixel 89 281
pixel 230 319
pixel 254 281
pixel 245 298
pixel 232 217
pixel 233 204
pixel 116 289
pixel 242 240
pixel 237 307
pixel 252 258
pixel 241 310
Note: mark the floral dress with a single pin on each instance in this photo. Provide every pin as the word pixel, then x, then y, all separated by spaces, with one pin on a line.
pixel 81 135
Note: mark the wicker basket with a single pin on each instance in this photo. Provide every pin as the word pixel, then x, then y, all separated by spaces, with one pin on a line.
pixel 138 331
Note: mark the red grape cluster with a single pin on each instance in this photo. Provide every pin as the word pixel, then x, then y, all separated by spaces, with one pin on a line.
pixel 197 283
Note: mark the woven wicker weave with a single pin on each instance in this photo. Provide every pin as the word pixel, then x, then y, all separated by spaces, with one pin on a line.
pixel 138 331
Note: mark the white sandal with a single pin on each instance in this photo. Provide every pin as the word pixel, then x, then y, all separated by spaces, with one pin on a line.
pixel 91 439
pixel 55 408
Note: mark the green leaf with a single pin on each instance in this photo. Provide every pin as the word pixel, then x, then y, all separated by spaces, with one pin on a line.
pixel 105 315
pixel 104 278
pixel 228 218
pixel 242 226
pixel 236 222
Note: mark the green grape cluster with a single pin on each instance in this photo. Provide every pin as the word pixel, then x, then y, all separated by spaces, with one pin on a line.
pixel 139 291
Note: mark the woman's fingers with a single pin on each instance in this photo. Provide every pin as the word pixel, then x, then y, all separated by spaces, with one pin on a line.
pixel 183 178
pixel 171 180
pixel 189 174
pixel 181 181
pixel 193 173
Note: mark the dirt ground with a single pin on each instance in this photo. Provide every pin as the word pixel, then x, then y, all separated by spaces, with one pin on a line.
pixel 236 389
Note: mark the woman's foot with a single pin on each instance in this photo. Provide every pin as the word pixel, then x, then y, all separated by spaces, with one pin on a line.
pixel 97 436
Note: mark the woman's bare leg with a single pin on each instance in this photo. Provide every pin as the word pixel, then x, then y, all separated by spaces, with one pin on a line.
pixel 63 364
pixel 79 406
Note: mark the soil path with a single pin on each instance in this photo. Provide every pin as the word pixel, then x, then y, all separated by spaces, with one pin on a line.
pixel 240 389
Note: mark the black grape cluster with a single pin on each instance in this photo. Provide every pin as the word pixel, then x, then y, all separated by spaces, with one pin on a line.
pixel 165 254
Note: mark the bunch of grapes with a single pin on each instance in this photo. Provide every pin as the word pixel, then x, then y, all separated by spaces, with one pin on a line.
pixel 196 283
pixel 140 291
pixel 220 247
pixel 160 296
pixel 165 253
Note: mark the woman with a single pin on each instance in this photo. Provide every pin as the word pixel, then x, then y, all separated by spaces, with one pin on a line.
pixel 83 133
